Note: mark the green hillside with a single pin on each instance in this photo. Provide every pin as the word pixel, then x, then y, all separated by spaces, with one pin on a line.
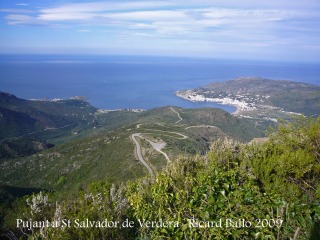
pixel 107 151
pixel 190 168
pixel 22 117
pixel 20 147
pixel 235 191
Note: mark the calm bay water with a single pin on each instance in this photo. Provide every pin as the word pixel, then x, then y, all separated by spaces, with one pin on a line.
pixel 133 82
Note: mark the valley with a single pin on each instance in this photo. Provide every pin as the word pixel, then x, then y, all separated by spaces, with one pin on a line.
pixel 113 146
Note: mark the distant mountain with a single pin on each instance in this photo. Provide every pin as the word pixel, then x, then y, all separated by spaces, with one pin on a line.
pixel 26 126
pixel 260 97
pixel 20 117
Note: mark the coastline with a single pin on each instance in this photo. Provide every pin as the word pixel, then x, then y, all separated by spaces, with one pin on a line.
pixel 251 110
pixel 237 111
pixel 194 97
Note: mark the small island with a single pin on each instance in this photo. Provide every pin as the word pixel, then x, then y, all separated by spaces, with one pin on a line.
pixel 260 98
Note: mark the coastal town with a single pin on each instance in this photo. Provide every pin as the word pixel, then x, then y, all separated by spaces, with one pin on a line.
pixel 247 105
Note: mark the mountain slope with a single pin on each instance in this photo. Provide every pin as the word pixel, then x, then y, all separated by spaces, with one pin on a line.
pixel 255 191
pixel 20 117
pixel 107 152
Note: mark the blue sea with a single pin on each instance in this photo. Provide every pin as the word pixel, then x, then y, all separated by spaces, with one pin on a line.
pixel 117 82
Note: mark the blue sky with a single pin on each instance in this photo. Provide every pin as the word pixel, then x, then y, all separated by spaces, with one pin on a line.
pixel 285 30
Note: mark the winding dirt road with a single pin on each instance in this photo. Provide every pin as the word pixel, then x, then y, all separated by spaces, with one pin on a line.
pixel 202 126
pixel 156 145
pixel 138 150
pixel 180 118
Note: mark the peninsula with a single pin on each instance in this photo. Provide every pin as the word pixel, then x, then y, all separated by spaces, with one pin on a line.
pixel 260 98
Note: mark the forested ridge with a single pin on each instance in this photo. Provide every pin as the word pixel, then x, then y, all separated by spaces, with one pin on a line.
pixel 236 191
